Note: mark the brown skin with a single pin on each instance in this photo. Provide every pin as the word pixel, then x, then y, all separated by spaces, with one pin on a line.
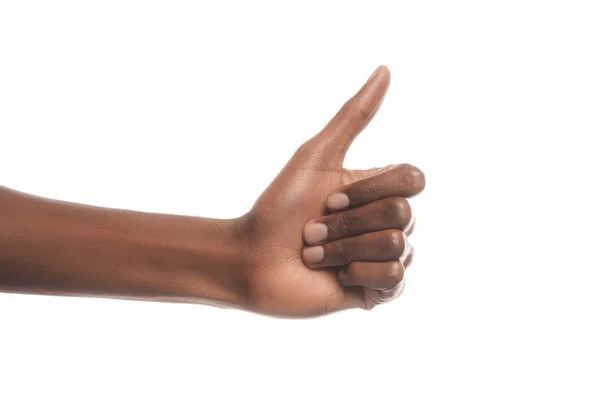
pixel 273 260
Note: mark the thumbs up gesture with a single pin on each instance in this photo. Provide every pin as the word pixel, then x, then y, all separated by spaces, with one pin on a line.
pixel 322 238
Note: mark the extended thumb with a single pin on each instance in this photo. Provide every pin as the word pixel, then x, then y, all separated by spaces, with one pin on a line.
pixel 328 148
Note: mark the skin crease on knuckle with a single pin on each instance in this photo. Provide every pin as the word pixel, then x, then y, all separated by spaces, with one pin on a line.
pixel 357 113
pixel 342 223
pixel 367 190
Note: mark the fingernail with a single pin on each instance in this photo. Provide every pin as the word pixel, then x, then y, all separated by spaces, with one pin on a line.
pixel 315 233
pixel 374 74
pixel 338 201
pixel 313 255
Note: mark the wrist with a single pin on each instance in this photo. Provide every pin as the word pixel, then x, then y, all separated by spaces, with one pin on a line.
pixel 186 259
pixel 208 262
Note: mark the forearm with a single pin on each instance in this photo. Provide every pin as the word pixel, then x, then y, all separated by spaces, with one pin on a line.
pixel 61 248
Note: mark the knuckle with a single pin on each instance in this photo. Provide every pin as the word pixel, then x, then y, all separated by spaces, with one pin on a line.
pixel 343 222
pixel 397 210
pixel 367 189
pixel 305 148
pixel 363 114
pixel 394 274
pixel 394 243
pixel 340 253
pixel 410 177
pixel 348 110
pixel 354 112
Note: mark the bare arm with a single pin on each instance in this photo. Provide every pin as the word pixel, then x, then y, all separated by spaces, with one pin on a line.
pixel 61 248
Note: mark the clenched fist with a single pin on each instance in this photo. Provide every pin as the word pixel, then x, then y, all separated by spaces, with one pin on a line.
pixel 322 238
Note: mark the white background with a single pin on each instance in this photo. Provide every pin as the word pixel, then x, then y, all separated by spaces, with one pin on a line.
pixel 190 108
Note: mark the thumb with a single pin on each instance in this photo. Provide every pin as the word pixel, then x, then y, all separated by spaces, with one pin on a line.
pixel 328 148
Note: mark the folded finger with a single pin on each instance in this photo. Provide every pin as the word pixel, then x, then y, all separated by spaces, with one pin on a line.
pixel 374 275
pixel 386 245
pixel 403 180
pixel 390 213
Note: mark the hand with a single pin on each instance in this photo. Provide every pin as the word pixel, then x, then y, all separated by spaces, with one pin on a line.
pixel 354 222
